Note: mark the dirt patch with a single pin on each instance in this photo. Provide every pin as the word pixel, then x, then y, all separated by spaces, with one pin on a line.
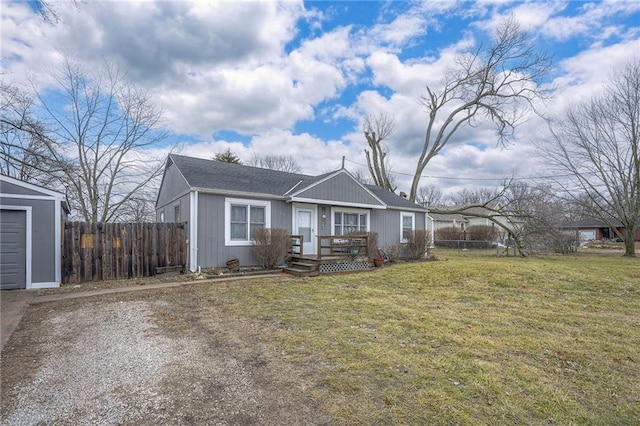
pixel 158 357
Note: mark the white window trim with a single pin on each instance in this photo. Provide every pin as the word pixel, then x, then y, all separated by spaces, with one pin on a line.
pixel 349 210
pixel 227 218
pixel 413 223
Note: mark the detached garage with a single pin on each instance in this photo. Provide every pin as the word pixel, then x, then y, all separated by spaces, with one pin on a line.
pixel 31 219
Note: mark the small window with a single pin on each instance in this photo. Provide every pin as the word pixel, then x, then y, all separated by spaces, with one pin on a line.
pixel 242 218
pixel 162 216
pixel 176 213
pixel 407 225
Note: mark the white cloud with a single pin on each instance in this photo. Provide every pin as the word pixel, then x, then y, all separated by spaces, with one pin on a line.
pixel 243 66
pixel 591 22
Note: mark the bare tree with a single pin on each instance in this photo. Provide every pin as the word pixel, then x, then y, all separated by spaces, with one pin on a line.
pixel 283 163
pixel 478 195
pixel 376 130
pixel 429 195
pixel 25 149
pixel 496 83
pixel 597 143
pixel 103 124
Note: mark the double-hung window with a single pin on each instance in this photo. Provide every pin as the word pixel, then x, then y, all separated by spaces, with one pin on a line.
pixel 407 225
pixel 242 217
pixel 348 221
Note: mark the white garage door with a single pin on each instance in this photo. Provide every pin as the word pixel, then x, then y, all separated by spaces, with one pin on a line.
pixel 13 249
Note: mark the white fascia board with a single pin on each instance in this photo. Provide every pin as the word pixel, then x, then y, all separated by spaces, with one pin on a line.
pixel 337 203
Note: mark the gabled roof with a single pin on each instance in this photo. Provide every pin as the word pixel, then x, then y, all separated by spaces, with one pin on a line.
pixel 220 177
pixel 217 175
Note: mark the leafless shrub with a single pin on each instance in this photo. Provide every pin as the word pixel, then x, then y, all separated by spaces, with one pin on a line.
pixel 417 244
pixel 450 233
pixel 270 246
pixel 393 252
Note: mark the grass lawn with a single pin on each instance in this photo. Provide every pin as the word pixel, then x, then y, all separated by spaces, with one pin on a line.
pixel 467 339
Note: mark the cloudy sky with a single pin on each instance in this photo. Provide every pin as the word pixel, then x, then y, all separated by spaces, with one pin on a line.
pixel 297 77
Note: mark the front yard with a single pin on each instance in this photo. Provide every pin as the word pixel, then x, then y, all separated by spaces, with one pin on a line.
pixel 467 339
pixel 463 340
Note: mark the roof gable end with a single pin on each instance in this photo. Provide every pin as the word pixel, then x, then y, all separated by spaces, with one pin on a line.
pixel 339 188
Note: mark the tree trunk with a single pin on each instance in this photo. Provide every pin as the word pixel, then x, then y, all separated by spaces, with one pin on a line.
pixel 629 242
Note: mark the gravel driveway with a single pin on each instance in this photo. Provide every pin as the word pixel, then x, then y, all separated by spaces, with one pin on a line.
pixel 154 357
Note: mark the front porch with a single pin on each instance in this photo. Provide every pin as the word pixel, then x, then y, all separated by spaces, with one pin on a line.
pixel 334 253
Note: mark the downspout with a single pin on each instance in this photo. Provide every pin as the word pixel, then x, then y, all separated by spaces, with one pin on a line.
pixel 193 231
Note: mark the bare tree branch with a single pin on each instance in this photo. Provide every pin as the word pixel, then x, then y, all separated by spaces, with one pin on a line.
pixel 498 83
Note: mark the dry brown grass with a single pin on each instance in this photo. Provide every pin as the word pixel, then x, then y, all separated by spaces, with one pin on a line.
pixel 467 339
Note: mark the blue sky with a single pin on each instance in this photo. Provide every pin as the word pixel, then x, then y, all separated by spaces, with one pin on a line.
pixel 298 77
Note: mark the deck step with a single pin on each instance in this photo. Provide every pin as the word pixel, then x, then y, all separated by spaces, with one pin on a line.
pixel 299 272
pixel 305 265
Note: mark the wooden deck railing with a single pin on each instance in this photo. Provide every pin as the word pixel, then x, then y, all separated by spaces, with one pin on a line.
pixel 342 245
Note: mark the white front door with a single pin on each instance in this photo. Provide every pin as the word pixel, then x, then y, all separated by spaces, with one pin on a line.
pixel 304 223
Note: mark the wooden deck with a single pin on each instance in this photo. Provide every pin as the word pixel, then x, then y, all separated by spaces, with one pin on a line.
pixel 335 253
pixel 310 266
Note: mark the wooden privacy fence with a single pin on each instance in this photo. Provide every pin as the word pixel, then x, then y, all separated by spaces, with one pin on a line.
pixel 106 251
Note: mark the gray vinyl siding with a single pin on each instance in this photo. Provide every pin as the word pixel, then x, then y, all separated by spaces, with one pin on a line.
pixel 43 248
pixel 324 226
pixel 173 184
pixel 387 224
pixel 212 251
pixel 169 210
pixel 340 188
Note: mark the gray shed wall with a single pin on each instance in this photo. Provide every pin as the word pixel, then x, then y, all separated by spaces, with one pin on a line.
pixel 43 248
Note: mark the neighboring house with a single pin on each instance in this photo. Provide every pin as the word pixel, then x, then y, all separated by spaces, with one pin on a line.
pixel 437 221
pixel 222 203
pixel 31 220
pixel 469 218
pixel 595 229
